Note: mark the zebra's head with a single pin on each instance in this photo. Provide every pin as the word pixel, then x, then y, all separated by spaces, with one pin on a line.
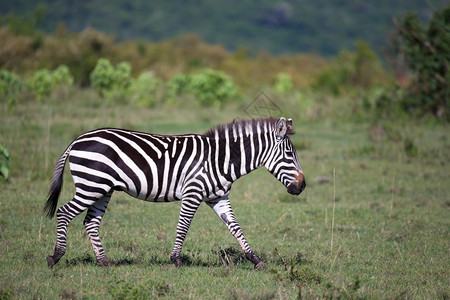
pixel 283 162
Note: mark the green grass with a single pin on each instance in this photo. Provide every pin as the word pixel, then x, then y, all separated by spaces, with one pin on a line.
pixel 391 221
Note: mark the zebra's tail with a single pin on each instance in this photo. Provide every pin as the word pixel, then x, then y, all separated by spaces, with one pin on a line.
pixel 56 184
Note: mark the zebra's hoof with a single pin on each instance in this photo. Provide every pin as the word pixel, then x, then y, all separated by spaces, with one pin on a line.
pixel 105 262
pixel 50 261
pixel 260 266
pixel 176 261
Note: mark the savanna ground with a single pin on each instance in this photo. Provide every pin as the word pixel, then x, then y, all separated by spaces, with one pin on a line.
pixel 373 222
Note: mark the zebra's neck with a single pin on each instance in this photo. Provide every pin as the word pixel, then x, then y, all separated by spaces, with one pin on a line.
pixel 241 148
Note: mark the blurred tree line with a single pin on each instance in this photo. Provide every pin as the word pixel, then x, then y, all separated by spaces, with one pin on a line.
pixel 25 49
pixel 321 26
pixel 188 65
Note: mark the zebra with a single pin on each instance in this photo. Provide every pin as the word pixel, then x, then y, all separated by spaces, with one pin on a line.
pixel 191 168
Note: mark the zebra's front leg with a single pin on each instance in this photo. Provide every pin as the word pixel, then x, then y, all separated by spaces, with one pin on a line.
pixel 92 224
pixel 222 208
pixel 188 208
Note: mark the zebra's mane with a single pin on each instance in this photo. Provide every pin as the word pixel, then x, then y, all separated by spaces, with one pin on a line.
pixel 252 124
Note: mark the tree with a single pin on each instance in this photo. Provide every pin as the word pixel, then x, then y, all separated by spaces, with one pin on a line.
pixel 111 82
pixel 10 87
pixel 349 71
pixel 427 51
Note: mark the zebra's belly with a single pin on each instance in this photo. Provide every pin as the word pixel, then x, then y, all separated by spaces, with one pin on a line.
pixel 162 196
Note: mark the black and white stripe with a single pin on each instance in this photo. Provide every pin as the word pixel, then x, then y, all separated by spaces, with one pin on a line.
pixel 192 168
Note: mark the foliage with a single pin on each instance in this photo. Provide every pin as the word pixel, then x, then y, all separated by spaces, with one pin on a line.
pixel 122 76
pixel 122 82
pixel 102 76
pixel 43 82
pixel 211 87
pixel 147 89
pixel 62 76
pixel 383 102
pixel 352 70
pixel 283 83
pixel 427 51
pixel 179 83
pixel 28 23
pixel 321 26
pixel 4 162
pixel 186 54
pixel 111 82
pixel 10 87
pixel 91 45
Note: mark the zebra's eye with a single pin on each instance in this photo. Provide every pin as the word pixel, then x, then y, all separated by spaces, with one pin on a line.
pixel 288 153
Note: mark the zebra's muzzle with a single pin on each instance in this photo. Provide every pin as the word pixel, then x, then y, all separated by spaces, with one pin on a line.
pixel 296 187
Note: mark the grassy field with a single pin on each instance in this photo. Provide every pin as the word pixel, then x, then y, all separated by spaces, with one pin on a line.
pixel 373 222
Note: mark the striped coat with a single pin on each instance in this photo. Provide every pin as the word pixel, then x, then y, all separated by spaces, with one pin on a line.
pixel 189 168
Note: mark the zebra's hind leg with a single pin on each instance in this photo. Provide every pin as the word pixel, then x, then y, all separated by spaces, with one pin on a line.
pixel 222 208
pixel 92 223
pixel 64 215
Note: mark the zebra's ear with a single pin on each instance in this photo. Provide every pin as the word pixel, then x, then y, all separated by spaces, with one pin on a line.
pixel 281 127
pixel 290 128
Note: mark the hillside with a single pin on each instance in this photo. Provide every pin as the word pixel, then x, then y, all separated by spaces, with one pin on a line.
pixel 320 26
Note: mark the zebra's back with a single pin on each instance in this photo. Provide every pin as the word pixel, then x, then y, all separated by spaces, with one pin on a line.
pixel 149 167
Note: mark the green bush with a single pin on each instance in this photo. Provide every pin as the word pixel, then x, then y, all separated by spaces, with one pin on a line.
pixel 4 162
pixel 102 77
pixel 111 82
pixel 427 51
pixel 122 76
pixel 62 76
pixel 383 102
pixel 10 87
pixel 41 83
pixel 350 71
pixel 179 83
pixel 147 89
pixel 283 83
pixel 211 87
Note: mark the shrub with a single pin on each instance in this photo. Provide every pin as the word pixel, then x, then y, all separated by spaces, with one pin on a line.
pixel 62 76
pixel 122 82
pixel 62 79
pixel 147 89
pixel 179 83
pixel 352 70
pixel 122 76
pixel 41 83
pixel 211 87
pixel 427 51
pixel 4 162
pixel 283 83
pixel 102 77
pixel 383 102
pixel 111 82
pixel 10 87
